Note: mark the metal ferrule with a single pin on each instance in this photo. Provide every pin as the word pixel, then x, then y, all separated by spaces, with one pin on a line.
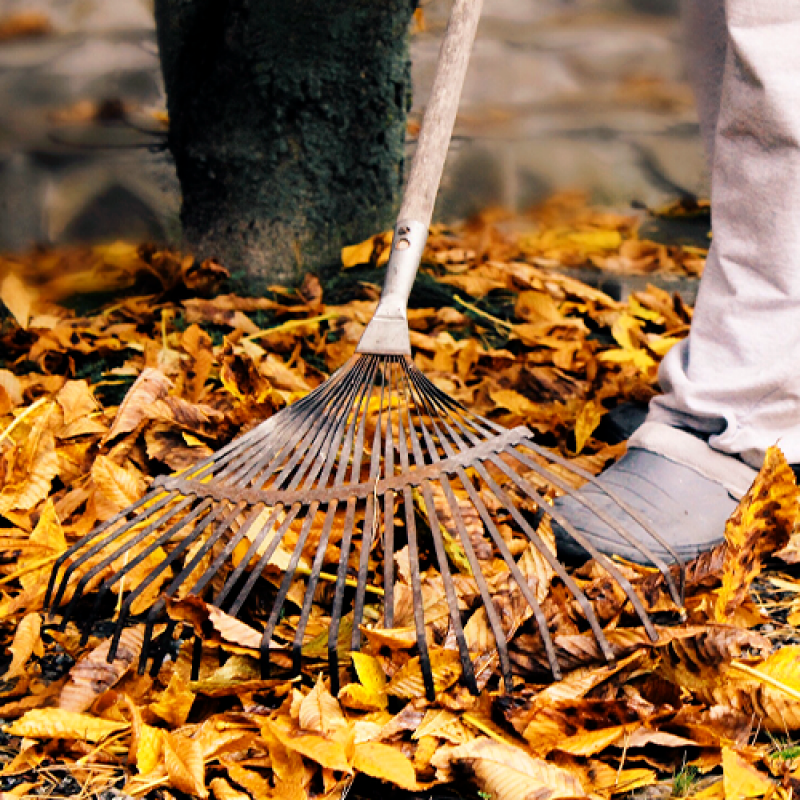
pixel 387 332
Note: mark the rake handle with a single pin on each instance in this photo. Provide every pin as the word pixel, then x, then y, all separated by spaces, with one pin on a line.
pixel 387 333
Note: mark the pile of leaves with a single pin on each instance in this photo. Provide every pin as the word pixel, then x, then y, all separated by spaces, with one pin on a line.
pixel 96 402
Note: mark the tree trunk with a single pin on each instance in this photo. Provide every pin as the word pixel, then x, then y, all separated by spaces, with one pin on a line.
pixel 287 125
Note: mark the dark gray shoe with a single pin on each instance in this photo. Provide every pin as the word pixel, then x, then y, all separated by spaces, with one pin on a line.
pixel 687 509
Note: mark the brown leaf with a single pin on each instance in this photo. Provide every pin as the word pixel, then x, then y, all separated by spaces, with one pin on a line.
pixel 183 760
pixel 509 773
pixel 93 675
pixel 150 386
pixel 761 524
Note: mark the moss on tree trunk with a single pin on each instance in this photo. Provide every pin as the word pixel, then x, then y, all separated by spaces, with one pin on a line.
pixel 287 125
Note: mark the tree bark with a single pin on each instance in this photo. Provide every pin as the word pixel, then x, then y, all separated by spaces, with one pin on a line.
pixel 287 126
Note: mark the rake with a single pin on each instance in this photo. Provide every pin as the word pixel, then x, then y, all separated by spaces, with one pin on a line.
pixel 375 460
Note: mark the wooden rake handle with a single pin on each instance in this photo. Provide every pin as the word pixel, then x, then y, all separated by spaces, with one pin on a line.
pixel 387 333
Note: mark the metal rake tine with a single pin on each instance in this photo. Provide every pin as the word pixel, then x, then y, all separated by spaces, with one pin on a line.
pixel 274 456
pixel 438 546
pixel 367 531
pixel 120 574
pixel 488 425
pixel 601 558
pixel 455 511
pixel 94 534
pixel 161 651
pixel 530 598
pixel 227 551
pixel 388 519
pixel 118 553
pixel 255 573
pixel 676 591
pixel 338 597
pixel 357 422
pixel 173 556
pixel 579 596
pixel 273 430
pixel 313 580
pixel 286 584
pixel 315 445
pixel 255 544
pixel 413 558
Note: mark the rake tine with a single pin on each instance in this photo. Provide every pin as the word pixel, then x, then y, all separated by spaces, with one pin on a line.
pixel 121 549
pixel 369 518
pixel 487 426
pixel 388 520
pixel 676 591
pixel 245 591
pixel 154 612
pixel 273 458
pixel 274 430
pixel 413 558
pixel 97 532
pixel 312 446
pixel 357 419
pixel 216 565
pixel 601 558
pixel 163 643
pixel 338 597
pixel 165 564
pixel 441 557
pixel 262 562
pixel 313 580
pixel 585 605
pixel 286 584
pixel 541 622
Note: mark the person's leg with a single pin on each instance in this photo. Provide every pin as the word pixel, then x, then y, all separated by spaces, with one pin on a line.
pixel 732 388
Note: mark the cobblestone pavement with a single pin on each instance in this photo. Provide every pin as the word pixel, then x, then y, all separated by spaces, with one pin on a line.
pixel 561 93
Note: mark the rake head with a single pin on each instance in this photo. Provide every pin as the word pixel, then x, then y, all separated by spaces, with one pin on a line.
pixel 333 489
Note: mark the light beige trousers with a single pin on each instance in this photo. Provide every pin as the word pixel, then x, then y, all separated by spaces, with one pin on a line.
pixel 736 378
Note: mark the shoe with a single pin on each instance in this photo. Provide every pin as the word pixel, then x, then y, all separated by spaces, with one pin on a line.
pixel 671 478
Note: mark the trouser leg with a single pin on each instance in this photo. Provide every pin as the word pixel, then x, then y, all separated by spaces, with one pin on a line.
pixel 737 376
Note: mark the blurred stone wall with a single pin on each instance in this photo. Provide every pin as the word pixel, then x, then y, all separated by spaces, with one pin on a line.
pixel 585 94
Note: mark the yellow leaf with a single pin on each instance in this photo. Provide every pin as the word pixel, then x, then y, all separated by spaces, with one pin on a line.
pixel 55 723
pixel 742 780
pixel 371 694
pixel 408 681
pixel 49 538
pixel 509 773
pixel 150 748
pixel 122 487
pixel 18 298
pixel 175 702
pixel 369 671
pixel 375 249
pixel 588 743
pixel 385 763
pixel 222 790
pixel 27 640
pixel 585 425
pixel 183 760
pixel 325 752
pixel 762 523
